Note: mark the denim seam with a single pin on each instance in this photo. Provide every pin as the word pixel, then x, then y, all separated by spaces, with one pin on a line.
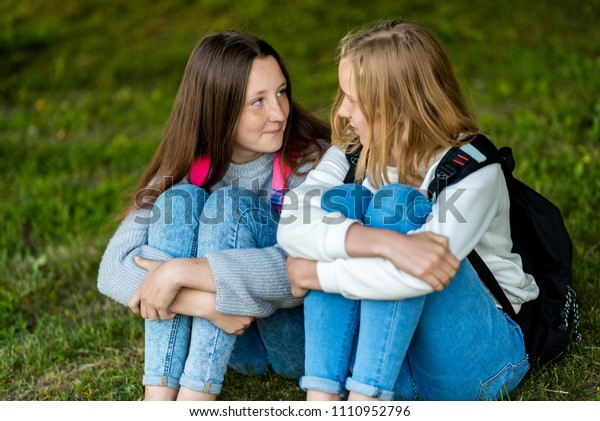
pixel 516 329
pixel 205 385
pixel 213 352
pixel 238 223
pixel 412 379
pixel 236 227
pixel 379 369
pixel 508 366
pixel 194 250
pixel 351 340
pixel 171 345
pixel 391 334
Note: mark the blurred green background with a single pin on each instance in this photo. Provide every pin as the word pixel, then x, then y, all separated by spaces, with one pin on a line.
pixel 86 87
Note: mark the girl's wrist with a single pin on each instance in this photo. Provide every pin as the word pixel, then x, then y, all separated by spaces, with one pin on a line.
pixel 363 241
pixel 358 241
pixel 183 272
pixel 177 273
pixel 194 273
pixel 381 243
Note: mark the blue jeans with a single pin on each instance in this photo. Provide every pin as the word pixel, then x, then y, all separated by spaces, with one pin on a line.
pixel 190 351
pixel 449 345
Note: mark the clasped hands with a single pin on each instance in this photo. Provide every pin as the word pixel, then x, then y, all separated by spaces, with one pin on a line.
pixel 154 296
pixel 164 293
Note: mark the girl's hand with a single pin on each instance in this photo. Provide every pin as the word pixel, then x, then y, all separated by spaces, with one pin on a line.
pixel 153 297
pixel 234 325
pixel 302 276
pixel 424 255
pixel 195 303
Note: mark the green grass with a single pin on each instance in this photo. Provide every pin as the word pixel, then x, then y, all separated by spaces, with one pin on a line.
pixel 85 88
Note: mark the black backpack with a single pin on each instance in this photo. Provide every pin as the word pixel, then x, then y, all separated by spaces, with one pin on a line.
pixel 539 236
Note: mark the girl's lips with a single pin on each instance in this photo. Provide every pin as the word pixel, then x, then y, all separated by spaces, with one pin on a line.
pixel 273 132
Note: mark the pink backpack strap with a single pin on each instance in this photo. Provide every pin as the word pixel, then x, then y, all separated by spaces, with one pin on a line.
pixel 201 167
pixel 199 170
pixel 279 179
pixel 278 182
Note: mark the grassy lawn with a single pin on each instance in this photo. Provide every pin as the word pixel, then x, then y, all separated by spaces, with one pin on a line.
pixel 86 86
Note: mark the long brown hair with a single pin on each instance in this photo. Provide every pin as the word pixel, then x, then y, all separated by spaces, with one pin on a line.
pixel 206 112
pixel 405 80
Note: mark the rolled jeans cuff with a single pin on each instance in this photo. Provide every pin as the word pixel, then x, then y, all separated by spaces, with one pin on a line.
pixel 164 381
pixel 368 390
pixel 323 385
pixel 200 385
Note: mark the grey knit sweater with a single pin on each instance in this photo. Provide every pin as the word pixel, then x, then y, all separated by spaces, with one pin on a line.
pixel 250 282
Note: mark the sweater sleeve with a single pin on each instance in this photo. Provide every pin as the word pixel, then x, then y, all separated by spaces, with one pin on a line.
pixel 256 285
pixel 118 275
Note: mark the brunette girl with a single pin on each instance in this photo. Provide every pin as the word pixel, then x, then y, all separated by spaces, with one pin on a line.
pixel 199 259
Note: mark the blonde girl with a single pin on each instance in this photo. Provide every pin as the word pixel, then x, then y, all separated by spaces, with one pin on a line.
pixel 376 326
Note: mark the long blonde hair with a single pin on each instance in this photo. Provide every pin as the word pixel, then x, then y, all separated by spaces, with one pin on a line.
pixel 403 79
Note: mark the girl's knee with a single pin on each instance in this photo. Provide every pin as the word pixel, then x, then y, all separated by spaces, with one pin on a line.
pixel 240 211
pixel 180 203
pixel 230 201
pixel 351 200
pixel 398 207
pixel 175 217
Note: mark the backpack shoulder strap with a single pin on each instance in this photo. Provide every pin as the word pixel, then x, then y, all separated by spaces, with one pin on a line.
pixel 458 163
pixel 200 169
pixel 352 159
pixel 461 161
pixel 489 280
pixel 281 172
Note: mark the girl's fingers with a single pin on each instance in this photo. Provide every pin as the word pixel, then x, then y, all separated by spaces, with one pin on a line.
pixel 134 303
pixel 151 313
pixel 165 315
pixel 146 263
pixel 432 279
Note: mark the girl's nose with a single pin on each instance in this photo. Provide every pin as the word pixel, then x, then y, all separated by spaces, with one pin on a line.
pixel 277 111
pixel 343 108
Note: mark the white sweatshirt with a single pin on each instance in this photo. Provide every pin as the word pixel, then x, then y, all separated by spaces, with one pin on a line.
pixel 473 213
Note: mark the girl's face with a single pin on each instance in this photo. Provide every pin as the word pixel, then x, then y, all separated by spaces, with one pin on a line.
pixel 264 113
pixel 350 108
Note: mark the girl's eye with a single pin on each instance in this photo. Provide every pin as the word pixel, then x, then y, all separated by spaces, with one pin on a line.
pixel 258 101
pixel 283 92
